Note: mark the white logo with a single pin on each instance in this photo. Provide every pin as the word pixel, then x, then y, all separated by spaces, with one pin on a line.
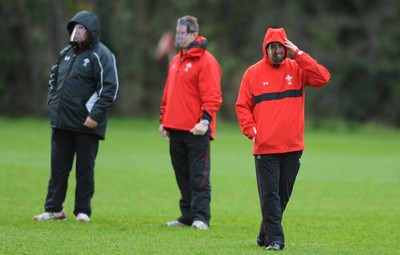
pixel 188 66
pixel 67 58
pixel 289 79
pixel 265 83
pixel 85 62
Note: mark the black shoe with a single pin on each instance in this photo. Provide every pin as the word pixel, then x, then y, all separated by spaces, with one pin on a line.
pixel 260 241
pixel 275 247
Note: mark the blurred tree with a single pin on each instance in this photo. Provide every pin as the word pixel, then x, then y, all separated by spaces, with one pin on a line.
pixel 355 39
pixel 59 16
pixel 17 74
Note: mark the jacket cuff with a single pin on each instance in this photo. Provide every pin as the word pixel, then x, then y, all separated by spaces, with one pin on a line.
pixel 206 116
pixel 298 52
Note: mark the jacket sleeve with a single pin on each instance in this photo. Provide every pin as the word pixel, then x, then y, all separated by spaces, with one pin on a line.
pixel 210 88
pixel 52 82
pixel 107 85
pixel 316 75
pixel 244 108
pixel 163 102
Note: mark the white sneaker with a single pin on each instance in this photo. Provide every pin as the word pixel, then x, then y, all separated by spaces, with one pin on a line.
pixel 50 216
pixel 174 223
pixel 199 224
pixel 82 217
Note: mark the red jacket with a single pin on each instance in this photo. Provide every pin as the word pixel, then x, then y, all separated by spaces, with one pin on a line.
pixel 192 91
pixel 270 104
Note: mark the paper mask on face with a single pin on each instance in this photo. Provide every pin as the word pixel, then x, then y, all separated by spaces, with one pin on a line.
pixel 182 31
pixel 78 34
pixel 73 34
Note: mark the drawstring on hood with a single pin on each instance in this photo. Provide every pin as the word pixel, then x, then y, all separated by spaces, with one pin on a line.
pixel 273 35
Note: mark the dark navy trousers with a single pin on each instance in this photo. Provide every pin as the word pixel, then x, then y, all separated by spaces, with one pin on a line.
pixel 276 175
pixel 65 146
pixel 190 156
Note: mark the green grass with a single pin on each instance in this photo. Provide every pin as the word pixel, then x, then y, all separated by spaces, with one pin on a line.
pixel 346 199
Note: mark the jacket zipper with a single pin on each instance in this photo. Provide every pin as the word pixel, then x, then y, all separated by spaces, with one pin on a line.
pixel 63 87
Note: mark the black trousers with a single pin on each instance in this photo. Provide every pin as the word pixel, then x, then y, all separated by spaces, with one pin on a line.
pixel 190 156
pixel 276 175
pixel 65 145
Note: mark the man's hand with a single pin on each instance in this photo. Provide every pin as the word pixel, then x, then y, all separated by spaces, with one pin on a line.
pixel 163 132
pixel 199 129
pixel 290 46
pixel 90 123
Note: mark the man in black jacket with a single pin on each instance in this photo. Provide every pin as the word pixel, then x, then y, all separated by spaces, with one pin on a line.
pixel 83 86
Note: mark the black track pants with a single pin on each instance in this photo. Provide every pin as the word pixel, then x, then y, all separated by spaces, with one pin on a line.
pixel 190 156
pixel 276 175
pixel 65 145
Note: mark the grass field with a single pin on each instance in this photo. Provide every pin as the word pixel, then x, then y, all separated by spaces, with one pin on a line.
pixel 346 199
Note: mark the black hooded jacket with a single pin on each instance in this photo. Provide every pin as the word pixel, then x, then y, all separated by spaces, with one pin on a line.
pixel 83 81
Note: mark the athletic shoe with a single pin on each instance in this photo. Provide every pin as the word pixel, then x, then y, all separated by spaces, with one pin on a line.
pixel 199 224
pixel 82 217
pixel 174 223
pixel 50 216
pixel 275 247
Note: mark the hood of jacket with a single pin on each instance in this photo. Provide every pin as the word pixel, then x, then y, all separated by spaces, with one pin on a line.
pixel 91 23
pixel 273 35
pixel 196 48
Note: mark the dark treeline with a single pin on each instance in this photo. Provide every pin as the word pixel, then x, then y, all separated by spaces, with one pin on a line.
pixel 357 40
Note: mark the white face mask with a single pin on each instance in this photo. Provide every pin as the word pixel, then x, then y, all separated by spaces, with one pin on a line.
pixel 183 37
pixel 78 34
pixel 180 36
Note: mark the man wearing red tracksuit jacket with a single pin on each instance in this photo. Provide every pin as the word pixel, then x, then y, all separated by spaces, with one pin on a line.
pixel 270 110
pixel 192 96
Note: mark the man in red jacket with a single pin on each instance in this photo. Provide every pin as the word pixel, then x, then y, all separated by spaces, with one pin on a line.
pixel 270 110
pixel 192 96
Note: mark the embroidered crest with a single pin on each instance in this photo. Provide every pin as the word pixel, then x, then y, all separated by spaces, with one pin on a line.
pixel 86 61
pixel 188 66
pixel 289 79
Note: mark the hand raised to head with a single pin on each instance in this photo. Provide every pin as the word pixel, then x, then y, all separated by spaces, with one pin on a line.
pixel 290 46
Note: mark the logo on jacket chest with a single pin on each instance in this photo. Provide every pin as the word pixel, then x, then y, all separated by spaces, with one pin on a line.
pixel 86 61
pixel 289 78
pixel 188 66
pixel 185 68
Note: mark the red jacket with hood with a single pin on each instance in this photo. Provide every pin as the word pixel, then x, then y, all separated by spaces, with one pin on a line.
pixel 270 104
pixel 192 91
